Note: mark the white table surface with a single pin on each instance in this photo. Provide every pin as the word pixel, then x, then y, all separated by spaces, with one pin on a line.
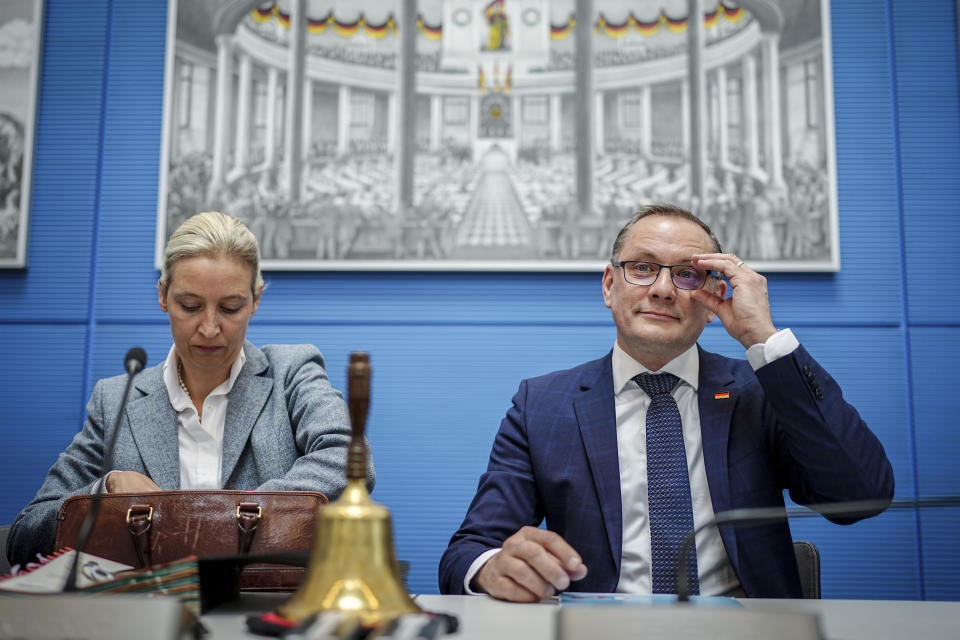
pixel 482 618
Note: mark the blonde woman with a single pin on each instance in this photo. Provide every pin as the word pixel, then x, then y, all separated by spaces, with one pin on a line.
pixel 218 413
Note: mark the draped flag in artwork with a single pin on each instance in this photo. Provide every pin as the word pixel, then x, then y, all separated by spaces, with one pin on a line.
pixel 497 17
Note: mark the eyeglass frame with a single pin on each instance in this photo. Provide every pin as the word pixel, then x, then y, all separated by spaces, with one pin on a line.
pixel 660 267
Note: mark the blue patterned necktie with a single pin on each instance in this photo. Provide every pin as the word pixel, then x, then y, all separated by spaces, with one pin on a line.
pixel 668 485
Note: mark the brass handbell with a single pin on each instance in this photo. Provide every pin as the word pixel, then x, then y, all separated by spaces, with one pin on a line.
pixel 353 569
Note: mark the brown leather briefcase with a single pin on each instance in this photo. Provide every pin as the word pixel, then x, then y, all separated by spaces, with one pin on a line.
pixel 143 529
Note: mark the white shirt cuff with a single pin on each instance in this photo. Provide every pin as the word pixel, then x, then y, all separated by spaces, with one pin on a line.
pixel 780 344
pixel 475 568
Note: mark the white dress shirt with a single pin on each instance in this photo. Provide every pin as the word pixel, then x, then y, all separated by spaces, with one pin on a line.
pixel 200 442
pixel 717 576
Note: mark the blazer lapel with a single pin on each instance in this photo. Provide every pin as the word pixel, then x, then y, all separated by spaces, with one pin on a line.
pixel 597 418
pixel 154 425
pixel 716 411
pixel 245 402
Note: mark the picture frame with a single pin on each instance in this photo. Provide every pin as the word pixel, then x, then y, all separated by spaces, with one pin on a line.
pixel 391 172
pixel 21 31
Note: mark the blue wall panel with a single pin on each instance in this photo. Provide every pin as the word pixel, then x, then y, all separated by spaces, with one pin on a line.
pixel 867 175
pixel 131 159
pixel 448 349
pixel 42 405
pixel 925 38
pixel 875 558
pixel 935 352
pixel 941 562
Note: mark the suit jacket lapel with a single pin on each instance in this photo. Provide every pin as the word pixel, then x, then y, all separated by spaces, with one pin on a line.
pixel 245 402
pixel 716 413
pixel 153 422
pixel 597 418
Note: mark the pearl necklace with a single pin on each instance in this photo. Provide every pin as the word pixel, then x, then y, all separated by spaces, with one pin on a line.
pixel 183 387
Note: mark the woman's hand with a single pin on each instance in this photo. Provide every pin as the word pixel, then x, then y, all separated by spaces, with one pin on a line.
pixel 130 482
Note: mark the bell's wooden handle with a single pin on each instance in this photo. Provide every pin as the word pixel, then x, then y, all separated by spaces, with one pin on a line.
pixel 358 403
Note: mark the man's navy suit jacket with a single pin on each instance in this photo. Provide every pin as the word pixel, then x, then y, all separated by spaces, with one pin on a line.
pixel 785 426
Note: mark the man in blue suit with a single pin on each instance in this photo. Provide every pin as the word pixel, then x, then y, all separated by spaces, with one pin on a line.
pixel 573 448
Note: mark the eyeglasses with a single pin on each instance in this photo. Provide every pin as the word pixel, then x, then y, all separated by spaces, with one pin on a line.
pixel 644 273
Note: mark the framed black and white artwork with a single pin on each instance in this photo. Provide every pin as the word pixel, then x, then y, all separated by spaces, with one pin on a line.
pixel 21 27
pixel 500 134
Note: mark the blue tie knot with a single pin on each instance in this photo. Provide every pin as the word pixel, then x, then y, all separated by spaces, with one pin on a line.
pixel 656 384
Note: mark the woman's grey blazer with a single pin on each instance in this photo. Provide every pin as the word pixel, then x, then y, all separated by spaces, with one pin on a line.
pixel 286 429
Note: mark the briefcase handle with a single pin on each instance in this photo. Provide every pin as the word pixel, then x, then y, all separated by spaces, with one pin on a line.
pixel 248 519
pixel 139 523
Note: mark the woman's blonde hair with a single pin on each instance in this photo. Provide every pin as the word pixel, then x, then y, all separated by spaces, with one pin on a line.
pixel 212 234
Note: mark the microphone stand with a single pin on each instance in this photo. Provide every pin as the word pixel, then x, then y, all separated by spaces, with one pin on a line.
pixel 769 515
pixel 135 361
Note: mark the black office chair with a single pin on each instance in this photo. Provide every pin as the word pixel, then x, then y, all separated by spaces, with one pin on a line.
pixel 4 565
pixel 808 563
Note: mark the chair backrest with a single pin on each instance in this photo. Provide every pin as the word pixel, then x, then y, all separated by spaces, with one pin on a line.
pixel 4 564
pixel 808 563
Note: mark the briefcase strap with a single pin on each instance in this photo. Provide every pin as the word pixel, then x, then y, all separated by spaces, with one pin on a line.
pixel 139 523
pixel 248 519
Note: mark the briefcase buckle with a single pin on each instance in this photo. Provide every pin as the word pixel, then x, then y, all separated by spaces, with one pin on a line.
pixel 139 509
pixel 259 511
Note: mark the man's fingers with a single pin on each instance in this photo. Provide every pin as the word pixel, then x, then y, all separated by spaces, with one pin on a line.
pixel 546 565
pixel 533 564
pixel 529 577
pixel 506 588
pixel 726 263
pixel 550 555
pixel 707 299
pixel 569 559
pixel 578 571
pixel 509 577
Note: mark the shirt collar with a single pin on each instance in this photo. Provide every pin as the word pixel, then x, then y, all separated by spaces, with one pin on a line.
pixel 180 400
pixel 686 366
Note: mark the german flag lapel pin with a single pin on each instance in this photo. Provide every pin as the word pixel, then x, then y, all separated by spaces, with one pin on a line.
pixel 722 396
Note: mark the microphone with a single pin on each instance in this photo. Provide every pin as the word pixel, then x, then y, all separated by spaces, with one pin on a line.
pixel 133 362
pixel 768 515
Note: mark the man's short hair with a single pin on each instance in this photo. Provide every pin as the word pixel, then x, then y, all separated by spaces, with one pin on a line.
pixel 661 209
